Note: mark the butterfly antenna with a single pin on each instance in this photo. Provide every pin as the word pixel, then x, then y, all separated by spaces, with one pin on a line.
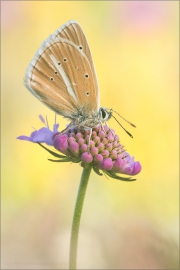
pixel 123 127
pixel 55 119
pixel 124 118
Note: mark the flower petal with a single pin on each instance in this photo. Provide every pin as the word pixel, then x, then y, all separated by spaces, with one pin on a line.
pixel 24 138
pixel 43 135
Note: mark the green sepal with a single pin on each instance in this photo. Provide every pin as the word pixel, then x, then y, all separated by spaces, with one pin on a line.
pixel 115 176
pixel 96 170
pixel 59 160
pixel 51 152
pixel 75 159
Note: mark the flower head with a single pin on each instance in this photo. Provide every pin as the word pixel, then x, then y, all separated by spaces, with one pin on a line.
pixel 99 147
pixel 102 150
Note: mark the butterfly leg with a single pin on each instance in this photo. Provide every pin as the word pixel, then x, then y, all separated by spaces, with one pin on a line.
pixel 68 127
pixel 90 134
pixel 102 127
pixel 109 128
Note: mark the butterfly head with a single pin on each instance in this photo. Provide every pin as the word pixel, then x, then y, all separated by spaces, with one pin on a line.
pixel 104 114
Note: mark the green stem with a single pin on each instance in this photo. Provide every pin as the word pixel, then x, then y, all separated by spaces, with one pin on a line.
pixel 77 216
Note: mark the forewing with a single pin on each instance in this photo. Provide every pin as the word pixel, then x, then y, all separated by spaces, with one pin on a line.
pixel 62 75
pixel 73 32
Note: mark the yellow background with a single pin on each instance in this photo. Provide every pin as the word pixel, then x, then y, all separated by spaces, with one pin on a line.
pixel 124 225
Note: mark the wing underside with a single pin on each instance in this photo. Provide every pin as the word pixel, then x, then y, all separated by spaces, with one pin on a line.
pixel 62 74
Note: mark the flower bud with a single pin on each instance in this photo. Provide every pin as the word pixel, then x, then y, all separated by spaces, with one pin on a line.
pixel 98 158
pixel 86 158
pixel 61 143
pixel 105 153
pixel 94 151
pixel 71 139
pixel 74 148
pixel 81 141
pixel 84 148
pixel 78 136
pixel 106 164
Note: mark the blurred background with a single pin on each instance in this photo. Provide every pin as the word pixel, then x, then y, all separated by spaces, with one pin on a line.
pixel 135 47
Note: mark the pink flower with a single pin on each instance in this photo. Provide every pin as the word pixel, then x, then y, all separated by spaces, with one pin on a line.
pixel 103 150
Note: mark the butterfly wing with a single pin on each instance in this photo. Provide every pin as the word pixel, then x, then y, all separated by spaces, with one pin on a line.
pixel 62 73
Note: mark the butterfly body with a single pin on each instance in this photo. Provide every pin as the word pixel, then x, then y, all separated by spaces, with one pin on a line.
pixel 90 119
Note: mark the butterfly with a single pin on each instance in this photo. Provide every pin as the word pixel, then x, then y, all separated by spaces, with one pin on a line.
pixel 63 77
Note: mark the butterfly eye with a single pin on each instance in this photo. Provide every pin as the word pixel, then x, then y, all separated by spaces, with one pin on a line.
pixel 65 60
pixel 55 72
pixel 51 79
pixel 103 114
pixel 80 47
pixel 86 75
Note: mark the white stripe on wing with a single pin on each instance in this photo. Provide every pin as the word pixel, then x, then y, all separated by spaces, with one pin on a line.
pixel 64 77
